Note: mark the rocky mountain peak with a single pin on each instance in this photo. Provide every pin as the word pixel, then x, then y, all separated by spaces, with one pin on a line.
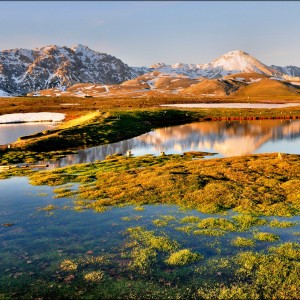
pixel 24 70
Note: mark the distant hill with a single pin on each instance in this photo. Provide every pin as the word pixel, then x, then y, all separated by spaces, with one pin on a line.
pixel 53 70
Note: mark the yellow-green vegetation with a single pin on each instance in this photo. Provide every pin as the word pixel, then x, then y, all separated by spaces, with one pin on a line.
pixel 64 192
pixel 266 236
pixel 211 232
pixel 254 185
pixel 133 218
pixel 145 246
pixel 220 223
pixel 281 224
pixel 97 128
pixel 68 265
pixel 42 194
pixel 186 228
pixel 149 239
pixel 4 174
pixel 164 221
pixel 160 223
pixel 15 156
pixel 97 125
pixel 95 276
pixel 190 219
pixel 245 221
pixel 183 257
pixel 139 208
pixel 243 242
pixel 48 208
pixel 274 275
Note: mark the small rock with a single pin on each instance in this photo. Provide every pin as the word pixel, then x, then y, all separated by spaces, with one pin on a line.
pixel 8 224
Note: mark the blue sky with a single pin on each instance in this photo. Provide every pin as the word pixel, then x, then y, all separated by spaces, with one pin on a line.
pixel 143 33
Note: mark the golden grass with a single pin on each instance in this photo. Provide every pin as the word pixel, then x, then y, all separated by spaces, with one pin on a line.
pixel 256 184
pixel 268 88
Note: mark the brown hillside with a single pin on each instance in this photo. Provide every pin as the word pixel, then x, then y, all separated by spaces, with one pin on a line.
pixel 246 76
pixel 214 88
pixel 268 88
pixel 172 83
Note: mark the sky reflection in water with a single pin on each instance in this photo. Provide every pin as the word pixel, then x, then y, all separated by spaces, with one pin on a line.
pixel 227 138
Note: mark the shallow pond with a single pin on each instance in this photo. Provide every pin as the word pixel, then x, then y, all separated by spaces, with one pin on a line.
pixel 38 250
pixel 11 132
pixel 227 138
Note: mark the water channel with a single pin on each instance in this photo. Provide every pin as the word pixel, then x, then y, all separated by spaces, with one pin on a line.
pixel 226 138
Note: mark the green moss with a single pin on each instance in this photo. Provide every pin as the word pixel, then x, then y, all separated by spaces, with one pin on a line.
pixel 186 229
pixel 160 223
pixel 48 208
pixel 142 259
pixel 243 242
pixel 190 219
pixel 95 276
pixel 139 208
pixel 211 232
pixel 133 218
pixel 220 223
pixel 149 239
pixel 281 224
pixel 266 236
pixel 210 186
pixel 244 222
pixel 183 257
pixel 68 265
pixel 287 250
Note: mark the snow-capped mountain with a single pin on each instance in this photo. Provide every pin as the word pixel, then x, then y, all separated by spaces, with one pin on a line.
pixel 230 63
pixel 288 70
pixel 23 70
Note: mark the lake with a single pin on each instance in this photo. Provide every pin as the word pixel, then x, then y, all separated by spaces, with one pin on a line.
pixel 52 250
pixel 226 138
pixel 11 132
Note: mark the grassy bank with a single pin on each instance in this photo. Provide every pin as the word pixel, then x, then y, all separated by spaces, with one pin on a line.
pixel 100 127
pixel 257 184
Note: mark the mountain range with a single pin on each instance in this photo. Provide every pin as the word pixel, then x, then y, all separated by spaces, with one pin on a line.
pixel 24 71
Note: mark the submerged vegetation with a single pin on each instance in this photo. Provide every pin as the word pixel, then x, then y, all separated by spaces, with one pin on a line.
pixel 158 256
pixel 254 185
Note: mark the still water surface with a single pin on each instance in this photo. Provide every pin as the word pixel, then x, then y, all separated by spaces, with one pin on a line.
pixel 11 132
pixel 227 138
pixel 33 248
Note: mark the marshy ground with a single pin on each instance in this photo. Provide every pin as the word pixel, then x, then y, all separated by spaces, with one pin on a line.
pixel 172 226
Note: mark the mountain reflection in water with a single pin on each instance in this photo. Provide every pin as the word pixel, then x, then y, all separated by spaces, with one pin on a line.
pixel 227 138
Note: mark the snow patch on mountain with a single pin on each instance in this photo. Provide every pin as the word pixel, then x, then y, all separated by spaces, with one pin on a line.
pixel 230 63
pixel 23 70
pixel 4 94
